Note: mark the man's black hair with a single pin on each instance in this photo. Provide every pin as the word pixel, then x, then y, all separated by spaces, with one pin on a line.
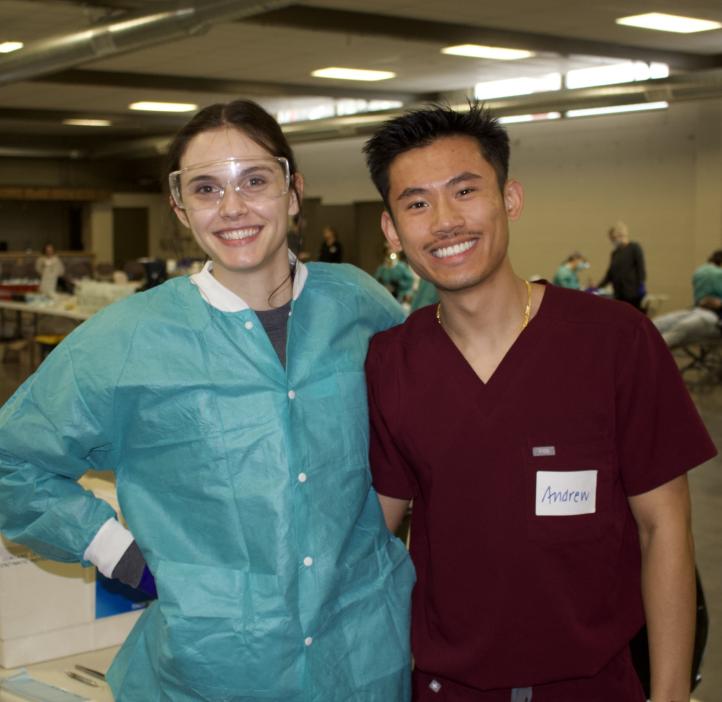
pixel 423 126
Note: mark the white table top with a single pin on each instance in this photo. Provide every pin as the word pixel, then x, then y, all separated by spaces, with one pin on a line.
pixel 53 673
pixel 54 309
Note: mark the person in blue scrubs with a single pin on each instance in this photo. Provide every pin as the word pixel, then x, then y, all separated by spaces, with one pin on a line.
pixel 232 407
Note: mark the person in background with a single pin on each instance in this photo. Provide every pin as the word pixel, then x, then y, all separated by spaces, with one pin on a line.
pixel 49 268
pixel 626 271
pixel 567 275
pixel 232 407
pixel 702 321
pixel 396 276
pixel 425 294
pixel 331 249
pixel 544 528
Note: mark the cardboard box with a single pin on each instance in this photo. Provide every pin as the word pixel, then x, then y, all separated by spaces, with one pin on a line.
pixel 50 610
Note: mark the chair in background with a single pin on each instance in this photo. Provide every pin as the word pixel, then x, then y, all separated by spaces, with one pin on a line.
pixel 135 270
pixel 44 344
pixel 78 270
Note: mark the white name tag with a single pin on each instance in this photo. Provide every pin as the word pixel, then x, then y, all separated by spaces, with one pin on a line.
pixel 561 493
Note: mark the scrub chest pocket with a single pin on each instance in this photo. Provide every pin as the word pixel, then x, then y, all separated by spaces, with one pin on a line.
pixel 568 489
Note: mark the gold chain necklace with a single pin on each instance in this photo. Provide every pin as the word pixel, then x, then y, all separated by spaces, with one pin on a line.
pixel 527 308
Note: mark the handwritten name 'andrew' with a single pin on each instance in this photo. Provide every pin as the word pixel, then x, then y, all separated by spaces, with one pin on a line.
pixel 553 496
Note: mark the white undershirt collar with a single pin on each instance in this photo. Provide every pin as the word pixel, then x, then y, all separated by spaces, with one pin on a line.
pixel 225 300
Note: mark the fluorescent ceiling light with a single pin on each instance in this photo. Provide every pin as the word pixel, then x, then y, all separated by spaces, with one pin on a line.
pixel 517 86
pixel 539 117
pixel 497 53
pixel 627 72
pixel 7 47
pixel 87 122
pixel 658 70
pixel 614 109
pixel 352 74
pixel 148 106
pixel 333 108
pixel 668 23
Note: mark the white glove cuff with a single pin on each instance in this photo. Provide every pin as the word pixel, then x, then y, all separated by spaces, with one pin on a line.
pixel 108 546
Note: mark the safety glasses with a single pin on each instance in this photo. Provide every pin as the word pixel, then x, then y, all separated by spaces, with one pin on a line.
pixel 202 186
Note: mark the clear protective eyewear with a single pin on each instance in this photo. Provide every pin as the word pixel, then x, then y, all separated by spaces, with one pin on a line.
pixel 202 186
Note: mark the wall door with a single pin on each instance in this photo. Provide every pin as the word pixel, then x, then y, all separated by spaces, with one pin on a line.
pixel 130 235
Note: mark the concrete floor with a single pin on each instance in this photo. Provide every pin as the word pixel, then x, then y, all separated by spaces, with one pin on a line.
pixel 706 487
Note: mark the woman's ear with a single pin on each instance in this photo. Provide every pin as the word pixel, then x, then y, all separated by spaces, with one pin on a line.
pixel 181 214
pixel 294 205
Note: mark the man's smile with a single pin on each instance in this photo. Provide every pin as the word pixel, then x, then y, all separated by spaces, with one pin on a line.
pixel 454 249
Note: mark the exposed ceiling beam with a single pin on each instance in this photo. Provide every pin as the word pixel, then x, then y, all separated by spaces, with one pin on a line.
pixel 156 24
pixel 113 5
pixel 703 85
pixel 124 121
pixel 409 29
pixel 117 79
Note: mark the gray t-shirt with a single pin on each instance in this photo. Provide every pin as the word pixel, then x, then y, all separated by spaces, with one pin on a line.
pixel 275 322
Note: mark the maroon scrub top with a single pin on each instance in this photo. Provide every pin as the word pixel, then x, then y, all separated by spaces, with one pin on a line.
pixel 506 598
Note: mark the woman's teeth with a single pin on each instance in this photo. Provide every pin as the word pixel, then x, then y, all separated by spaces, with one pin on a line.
pixel 236 234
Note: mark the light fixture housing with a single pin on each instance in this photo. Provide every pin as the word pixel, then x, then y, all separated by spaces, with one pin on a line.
pixel 339 73
pixel 496 53
pixel 663 22
pixel 151 106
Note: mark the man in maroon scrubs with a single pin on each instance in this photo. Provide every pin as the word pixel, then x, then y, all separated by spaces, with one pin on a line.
pixel 544 437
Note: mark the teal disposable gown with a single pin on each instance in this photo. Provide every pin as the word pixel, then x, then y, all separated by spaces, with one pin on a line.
pixel 246 485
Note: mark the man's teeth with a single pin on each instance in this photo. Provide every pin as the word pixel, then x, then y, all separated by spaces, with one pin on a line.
pixel 236 234
pixel 452 250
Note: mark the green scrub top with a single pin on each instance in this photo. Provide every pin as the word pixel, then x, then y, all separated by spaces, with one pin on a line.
pixel 397 278
pixel 565 277
pixel 246 486
pixel 707 281
pixel 426 294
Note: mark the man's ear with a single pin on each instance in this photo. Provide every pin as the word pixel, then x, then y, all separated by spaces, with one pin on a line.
pixel 513 199
pixel 181 214
pixel 389 229
pixel 294 204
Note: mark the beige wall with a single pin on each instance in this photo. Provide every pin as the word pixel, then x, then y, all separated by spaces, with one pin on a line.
pixel 661 172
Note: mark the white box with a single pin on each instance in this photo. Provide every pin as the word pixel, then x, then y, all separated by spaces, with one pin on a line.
pixel 48 609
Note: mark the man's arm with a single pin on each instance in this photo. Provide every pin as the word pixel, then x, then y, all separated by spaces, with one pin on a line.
pixel 394 510
pixel 663 518
pixel 710 302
